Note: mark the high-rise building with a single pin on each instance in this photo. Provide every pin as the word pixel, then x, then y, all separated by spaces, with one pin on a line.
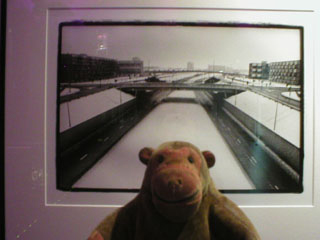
pixel 133 66
pixel 190 66
pixel 102 45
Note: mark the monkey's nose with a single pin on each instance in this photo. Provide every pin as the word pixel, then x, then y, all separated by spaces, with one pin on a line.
pixel 175 185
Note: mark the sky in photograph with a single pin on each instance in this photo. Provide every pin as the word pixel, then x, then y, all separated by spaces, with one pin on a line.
pixel 174 47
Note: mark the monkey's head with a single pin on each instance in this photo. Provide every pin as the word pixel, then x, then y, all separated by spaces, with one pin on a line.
pixel 177 178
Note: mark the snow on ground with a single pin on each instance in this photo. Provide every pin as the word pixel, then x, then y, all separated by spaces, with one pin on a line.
pixel 68 91
pixel 286 124
pixel 79 110
pixel 199 77
pixel 182 94
pixel 121 168
pixel 176 76
pixel 128 79
pixel 275 116
pixel 291 95
pixel 104 81
pixel 258 82
pixel 113 80
pixel 82 109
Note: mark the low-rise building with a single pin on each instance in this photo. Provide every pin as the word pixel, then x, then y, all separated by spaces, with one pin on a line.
pixel 82 68
pixel 259 70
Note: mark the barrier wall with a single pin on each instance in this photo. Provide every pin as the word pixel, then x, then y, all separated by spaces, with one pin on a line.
pixel 284 149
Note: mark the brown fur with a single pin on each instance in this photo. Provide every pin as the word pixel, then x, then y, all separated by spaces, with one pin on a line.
pixel 216 217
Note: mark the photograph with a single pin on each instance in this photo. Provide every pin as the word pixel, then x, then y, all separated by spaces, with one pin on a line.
pixel 233 89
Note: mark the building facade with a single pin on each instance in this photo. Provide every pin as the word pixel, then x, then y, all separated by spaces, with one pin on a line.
pixel 259 70
pixel 288 72
pixel 83 68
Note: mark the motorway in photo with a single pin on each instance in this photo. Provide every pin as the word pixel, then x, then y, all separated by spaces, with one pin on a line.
pixel 185 106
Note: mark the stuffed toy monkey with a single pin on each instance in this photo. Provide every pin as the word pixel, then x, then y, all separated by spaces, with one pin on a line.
pixel 177 201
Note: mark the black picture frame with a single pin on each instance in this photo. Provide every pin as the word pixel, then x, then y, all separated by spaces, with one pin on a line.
pixel 63 168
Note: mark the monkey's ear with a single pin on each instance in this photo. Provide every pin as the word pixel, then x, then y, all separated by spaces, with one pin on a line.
pixel 210 158
pixel 145 155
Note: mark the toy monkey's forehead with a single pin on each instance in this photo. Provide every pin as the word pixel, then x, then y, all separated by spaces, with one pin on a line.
pixel 177 145
pixel 177 152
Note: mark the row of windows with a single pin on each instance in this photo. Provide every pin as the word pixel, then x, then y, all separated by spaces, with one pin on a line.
pixel 256 75
pixel 256 70
pixel 285 64
pixel 285 75
pixel 258 64
pixel 285 71
pixel 285 68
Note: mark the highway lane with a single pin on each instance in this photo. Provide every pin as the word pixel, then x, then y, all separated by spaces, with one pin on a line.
pixel 181 99
pixel 266 171
pixel 258 163
pixel 121 168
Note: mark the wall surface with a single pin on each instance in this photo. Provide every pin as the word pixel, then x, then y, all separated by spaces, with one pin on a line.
pixel 36 210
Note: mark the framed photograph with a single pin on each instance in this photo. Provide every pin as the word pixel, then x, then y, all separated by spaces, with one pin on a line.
pixel 234 89
pixel 88 84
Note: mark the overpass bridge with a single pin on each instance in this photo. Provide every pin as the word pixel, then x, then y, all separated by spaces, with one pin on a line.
pixel 195 71
pixel 182 86
pixel 272 92
pixel 199 86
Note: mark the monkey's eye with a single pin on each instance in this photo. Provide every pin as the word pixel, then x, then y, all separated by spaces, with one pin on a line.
pixel 190 159
pixel 160 159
